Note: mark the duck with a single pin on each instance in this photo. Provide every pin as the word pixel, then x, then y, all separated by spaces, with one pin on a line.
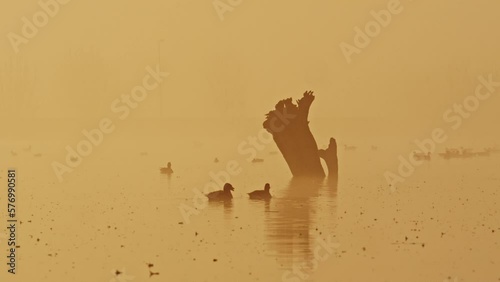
pixel 350 148
pixel 422 156
pixel 167 170
pixel 261 194
pixel 221 195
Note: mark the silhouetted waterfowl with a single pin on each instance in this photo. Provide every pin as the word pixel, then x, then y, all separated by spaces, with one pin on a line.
pixel 261 194
pixel 484 153
pixel 457 153
pixel 37 155
pixel 422 156
pixel 256 160
pixel 13 153
pixel 216 160
pixel 73 159
pixel 450 153
pixel 222 195
pixel 350 148
pixel 467 153
pixel 167 170
pixel 493 149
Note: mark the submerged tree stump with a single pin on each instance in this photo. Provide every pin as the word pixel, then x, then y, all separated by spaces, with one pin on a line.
pixel 330 157
pixel 289 127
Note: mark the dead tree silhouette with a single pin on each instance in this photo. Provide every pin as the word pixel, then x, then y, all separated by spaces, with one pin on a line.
pixel 288 123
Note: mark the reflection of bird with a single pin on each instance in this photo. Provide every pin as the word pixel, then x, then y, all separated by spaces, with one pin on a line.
pixel 37 155
pixel 216 160
pixel 261 194
pixel 222 195
pixel 256 160
pixel 167 170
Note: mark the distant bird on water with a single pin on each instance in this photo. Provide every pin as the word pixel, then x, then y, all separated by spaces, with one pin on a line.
pixel 167 170
pixel 261 194
pixel 222 195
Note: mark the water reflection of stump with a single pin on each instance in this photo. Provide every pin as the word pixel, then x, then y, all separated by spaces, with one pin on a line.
pixel 291 231
pixel 167 178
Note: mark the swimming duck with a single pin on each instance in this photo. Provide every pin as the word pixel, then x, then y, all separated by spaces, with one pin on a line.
pixel 261 194
pixel 221 195
pixel 167 170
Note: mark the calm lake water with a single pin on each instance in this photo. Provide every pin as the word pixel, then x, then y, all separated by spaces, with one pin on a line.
pixel 116 212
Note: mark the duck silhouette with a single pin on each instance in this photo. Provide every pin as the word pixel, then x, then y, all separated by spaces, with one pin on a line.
pixel 222 195
pixel 261 194
pixel 167 170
